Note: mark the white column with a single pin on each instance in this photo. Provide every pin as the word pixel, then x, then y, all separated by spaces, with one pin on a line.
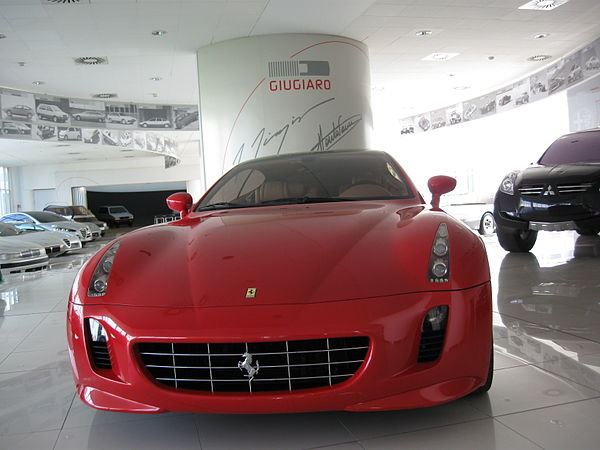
pixel 278 94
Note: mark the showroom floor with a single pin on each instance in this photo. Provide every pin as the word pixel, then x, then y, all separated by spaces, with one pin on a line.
pixel 546 391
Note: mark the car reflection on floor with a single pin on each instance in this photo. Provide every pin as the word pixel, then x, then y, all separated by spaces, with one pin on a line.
pixel 550 315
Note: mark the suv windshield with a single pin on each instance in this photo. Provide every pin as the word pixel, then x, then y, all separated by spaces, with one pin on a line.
pixel 573 148
pixel 309 178
pixel 45 216
pixel 117 209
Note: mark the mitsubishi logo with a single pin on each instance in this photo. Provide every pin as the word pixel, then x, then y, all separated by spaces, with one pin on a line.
pixel 549 191
pixel 246 365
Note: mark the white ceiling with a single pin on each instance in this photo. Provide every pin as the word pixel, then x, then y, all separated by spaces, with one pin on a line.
pixel 46 37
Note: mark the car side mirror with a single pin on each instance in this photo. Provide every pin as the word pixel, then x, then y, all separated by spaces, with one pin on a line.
pixel 440 185
pixel 181 202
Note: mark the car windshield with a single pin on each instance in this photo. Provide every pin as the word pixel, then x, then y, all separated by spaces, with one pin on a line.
pixel 309 178
pixel 45 216
pixel 573 148
pixel 8 230
pixel 118 209
pixel 82 211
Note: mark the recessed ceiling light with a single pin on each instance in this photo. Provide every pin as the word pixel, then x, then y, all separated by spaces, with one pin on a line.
pixel 154 94
pixel 541 35
pixel 440 56
pixel 424 33
pixel 104 95
pixel 2 36
pixel 159 33
pixel 155 78
pixel 37 83
pixel 91 60
pixel 462 88
pixel 73 153
pixel 538 58
pixel 543 5
pixel 491 58
pixel 58 2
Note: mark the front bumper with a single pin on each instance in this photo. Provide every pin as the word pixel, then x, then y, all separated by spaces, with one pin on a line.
pixel 389 378
pixel 24 265
pixel 580 211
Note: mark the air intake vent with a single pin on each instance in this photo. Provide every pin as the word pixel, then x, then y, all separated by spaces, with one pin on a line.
pixel 100 356
pixel 432 334
pixel 254 366
pixel 91 60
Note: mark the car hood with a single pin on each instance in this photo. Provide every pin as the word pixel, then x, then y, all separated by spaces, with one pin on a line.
pixel 43 238
pixel 560 173
pixel 68 224
pixel 289 255
pixel 9 245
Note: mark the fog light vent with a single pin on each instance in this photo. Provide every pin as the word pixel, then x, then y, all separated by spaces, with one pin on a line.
pixel 433 332
pixel 98 344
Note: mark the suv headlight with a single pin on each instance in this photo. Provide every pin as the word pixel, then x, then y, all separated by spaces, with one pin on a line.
pixel 99 281
pixel 508 183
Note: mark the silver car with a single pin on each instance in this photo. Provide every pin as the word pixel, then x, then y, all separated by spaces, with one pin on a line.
pixel 17 257
pixel 52 241
pixel 71 240
pixel 51 222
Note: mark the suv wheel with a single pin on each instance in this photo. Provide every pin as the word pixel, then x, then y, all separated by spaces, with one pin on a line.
pixel 516 240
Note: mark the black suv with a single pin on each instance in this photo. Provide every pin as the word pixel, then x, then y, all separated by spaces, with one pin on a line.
pixel 560 192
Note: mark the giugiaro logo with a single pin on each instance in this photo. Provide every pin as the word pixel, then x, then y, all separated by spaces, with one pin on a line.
pixel 299 76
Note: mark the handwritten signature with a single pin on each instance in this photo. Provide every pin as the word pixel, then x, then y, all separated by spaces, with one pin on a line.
pixel 338 131
pixel 263 139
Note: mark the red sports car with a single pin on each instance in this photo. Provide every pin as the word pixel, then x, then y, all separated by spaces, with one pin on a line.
pixel 304 282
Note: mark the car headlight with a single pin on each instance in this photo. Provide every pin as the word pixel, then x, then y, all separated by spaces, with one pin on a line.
pixel 439 259
pixel 508 183
pixel 9 256
pixel 99 281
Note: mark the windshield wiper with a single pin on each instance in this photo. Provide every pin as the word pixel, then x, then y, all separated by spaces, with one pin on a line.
pixel 221 205
pixel 299 200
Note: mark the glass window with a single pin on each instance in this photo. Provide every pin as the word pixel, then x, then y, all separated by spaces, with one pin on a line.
pixel 310 178
pixel 46 216
pixel 573 148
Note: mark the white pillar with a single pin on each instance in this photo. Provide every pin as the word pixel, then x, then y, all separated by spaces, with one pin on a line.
pixel 285 93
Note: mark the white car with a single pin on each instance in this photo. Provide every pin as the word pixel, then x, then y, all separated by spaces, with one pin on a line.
pixel 69 134
pixel 17 257
pixel 117 117
pixel 71 240
pixel 156 122
pixel 52 241
pixel 51 222
pixel 51 112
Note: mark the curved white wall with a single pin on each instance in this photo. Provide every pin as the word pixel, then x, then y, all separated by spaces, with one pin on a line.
pixel 285 93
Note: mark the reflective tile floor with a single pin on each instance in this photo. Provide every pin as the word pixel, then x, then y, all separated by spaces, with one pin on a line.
pixel 546 391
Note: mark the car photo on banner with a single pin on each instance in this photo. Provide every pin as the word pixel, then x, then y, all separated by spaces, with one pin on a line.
pixel 302 282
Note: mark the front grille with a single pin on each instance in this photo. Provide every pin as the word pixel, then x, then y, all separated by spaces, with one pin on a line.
pixel 53 249
pixel 531 190
pixel 68 242
pixel 573 188
pixel 431 345
pixel 568 188
pixel 100 355
pixel 282 365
